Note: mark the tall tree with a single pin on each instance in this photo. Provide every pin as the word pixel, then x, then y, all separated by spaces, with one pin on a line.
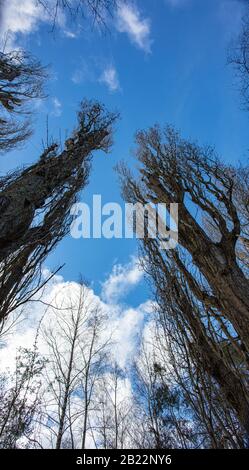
pixel 160 419
pixel 35 203
pixel 94 353
pixel 199 360
pixel 77 355
pixel 114 410
pixel 207 267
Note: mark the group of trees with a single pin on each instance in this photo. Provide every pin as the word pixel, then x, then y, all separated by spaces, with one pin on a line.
pixel 190 380
pixel 80 400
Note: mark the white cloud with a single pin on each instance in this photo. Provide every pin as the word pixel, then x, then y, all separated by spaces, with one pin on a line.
pixel 78 76
pixel 95 71
pixel 129 21
pixel 125 323
pixel 110 78
pixel 57 107
pixel 20 18
pixel 127 329
pixel 70 34
pixel 85 72
pixel 122 279
pixel 24 17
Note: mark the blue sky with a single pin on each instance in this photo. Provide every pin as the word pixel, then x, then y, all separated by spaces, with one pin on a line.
pixel 160 61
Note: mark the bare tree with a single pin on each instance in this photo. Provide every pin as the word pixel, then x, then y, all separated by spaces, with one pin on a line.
pixel 36 202
pixel 203 268
pixel 239 58
pixel 113 410
pixel 20 398
pixel 199 360
pixel 77 355
pixel 161 417
pixel 21 82
pixel 97 9
pixel 94 354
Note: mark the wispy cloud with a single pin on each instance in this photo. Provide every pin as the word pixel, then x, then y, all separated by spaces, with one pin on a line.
pixel 78 76
pixel 129 21
pixel 70 34
pixel 84 72
pixel 110 78
pixel 57 107
pixel 94 70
